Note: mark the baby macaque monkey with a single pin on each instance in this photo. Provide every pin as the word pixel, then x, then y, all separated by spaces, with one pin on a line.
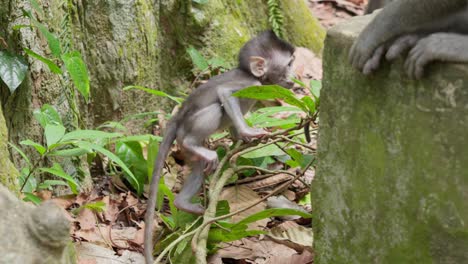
pixel 263 60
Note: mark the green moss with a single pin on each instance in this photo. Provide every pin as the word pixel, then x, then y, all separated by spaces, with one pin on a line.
pixel 392 180
pixel 8 172
pixel 233 24
pixel 301 27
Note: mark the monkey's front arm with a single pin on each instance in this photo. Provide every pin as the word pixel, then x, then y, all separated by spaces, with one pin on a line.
pixel 233 108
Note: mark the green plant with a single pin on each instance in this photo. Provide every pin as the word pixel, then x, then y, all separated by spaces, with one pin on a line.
pixel 275 17
pixel 64 62
pixel 205 68
pixel 242 160
pixel 79 143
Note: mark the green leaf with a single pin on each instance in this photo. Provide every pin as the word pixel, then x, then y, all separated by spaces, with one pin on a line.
pixel 163 190
pixel 30 183
pixel 98 206
pixel 261 117
pixel 198 60
pixel 183 254
pixel 176 99
pixel 169 221
pixel 110 155
pixel 272 213
pixel 52 66
pixel 140 138
pixel 78 72
pixel 54 43
pixel 113 125
pixel 306 200
pixel 39 148
pixel 89 135
pixel 299 82
pixel 217 235
pixel 13 69
pixel 217 63
pixel 36 7
pixel 21 153
pixel 18 27
pixel 49 183
pixel 47 115
pixel 267 151
pixel 53 133
pixel 275 122
pixel 131 153
pixel 222 208
pixel 74 152
pixel 309 103
pixel 315 87
pixel 296 156
pixel 270 92
pixel 29 197
pixel 58 171
pixel 201 2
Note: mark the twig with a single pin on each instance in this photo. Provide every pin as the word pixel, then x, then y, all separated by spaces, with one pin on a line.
pixel 199 239
pixel 175 242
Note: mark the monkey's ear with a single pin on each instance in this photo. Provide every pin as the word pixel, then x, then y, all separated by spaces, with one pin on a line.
pixel 258 66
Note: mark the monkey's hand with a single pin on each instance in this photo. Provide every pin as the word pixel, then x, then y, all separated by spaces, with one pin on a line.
pixel 438 46
pixel 367 44
pixel 211 161
pixel 391 50
pixel 249 133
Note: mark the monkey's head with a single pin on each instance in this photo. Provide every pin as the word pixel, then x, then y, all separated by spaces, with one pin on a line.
pixel 269 59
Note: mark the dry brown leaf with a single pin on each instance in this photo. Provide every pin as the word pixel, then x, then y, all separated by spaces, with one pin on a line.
pixel 283 202
pixel 86 219
pixel 64 201
pixel 112 210
pixel 257 251
pixel 120 237
pixel 293 236
pixel 240 197
pixel 98 235
pixel 140 234
pixel 267 182
pixel 290 195
pixel 93 254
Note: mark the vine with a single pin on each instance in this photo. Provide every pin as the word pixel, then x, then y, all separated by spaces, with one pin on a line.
pixel 275 17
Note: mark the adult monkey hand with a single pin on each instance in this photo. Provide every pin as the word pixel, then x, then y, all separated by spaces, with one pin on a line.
pixel 399 18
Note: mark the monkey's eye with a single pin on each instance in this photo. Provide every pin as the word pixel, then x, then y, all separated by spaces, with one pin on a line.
pixel 291 61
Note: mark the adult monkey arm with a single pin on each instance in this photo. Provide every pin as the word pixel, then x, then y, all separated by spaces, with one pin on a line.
pixel 376 4
pixel 398 18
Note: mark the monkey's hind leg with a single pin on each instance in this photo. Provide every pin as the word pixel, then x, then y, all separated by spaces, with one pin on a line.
pixel 190 189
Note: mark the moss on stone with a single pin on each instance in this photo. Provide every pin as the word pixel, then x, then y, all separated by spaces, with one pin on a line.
pixel 391 183
pixel 301 27
pixel 8 172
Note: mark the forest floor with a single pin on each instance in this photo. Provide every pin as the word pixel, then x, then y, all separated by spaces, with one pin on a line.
pixel 115 235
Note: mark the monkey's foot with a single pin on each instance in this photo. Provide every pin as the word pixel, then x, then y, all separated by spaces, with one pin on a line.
pixel 251 133
pixel 211 162
pixel 185 206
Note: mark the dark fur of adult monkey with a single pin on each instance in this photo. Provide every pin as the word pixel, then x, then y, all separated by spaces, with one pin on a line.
pixel 373 5
pixel 430 29
pixel 265 59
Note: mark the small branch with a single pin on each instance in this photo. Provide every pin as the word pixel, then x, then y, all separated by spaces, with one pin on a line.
pixel 298 143
pixel 175 242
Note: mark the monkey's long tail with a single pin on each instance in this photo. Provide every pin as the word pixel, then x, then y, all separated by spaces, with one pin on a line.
pixel 164 149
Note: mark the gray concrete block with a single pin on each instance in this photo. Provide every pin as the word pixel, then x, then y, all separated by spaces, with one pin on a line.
pixel 392 178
